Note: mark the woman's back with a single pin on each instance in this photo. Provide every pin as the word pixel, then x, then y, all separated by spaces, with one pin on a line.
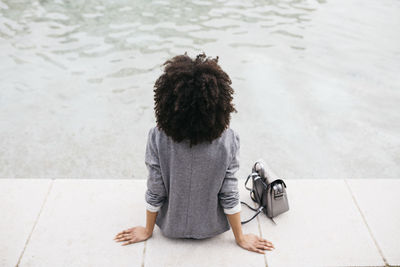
pixel 192 186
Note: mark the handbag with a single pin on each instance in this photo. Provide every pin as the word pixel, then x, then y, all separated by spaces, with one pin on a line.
pixel 268 191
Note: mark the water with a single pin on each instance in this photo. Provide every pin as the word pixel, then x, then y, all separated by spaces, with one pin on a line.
pixel 317 86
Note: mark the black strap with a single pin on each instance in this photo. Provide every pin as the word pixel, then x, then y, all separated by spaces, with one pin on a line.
pixel 252 196
pixel 251 189
pixel 248 206
pixel 245 184
pixel 259 210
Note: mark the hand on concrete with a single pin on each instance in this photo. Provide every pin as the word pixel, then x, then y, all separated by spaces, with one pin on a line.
pixel 254 243
pixel 133 235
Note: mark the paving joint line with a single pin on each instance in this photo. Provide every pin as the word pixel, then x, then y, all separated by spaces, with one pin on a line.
pixel 36 221
pixel 259 229
pixel 260 232
pixel 366 223
pixel 144 253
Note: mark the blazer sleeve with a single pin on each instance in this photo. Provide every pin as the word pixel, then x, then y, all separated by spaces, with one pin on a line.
pixel 155 194
pixel 229 193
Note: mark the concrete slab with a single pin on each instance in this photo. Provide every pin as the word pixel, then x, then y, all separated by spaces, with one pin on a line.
pixel 378 200
pixel 322 228
pixel 220 250
pixel 80 220
pixel 76 226
pixel 20 203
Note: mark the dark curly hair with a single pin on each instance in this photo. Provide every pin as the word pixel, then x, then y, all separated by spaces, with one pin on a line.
pixel 193 99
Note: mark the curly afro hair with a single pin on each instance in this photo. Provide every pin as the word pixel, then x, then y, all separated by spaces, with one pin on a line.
pixel 193 99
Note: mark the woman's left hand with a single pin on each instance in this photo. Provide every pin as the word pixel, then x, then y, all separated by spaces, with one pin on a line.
pixel 133 235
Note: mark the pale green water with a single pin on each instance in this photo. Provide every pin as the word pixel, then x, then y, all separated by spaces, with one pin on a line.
pixel 316 82
pixel 105 40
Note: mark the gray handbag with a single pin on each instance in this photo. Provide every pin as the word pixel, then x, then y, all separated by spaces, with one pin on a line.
pixel 268 191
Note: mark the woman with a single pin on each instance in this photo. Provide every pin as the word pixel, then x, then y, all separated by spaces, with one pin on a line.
pixel 192 157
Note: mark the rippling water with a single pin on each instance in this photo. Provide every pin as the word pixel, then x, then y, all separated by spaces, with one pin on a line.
pixel 318 80
pixel 104 40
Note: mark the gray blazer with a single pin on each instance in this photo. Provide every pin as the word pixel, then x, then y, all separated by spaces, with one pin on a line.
pixel 192 188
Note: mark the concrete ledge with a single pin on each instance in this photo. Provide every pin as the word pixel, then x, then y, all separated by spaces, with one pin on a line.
pixel 20 205
pixel 378 201
pixel 79 221
pixel 72 223
pixel 322 228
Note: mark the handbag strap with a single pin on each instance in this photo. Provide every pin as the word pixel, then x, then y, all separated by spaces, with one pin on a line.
pixel 258 211
pixel 244 203
pixel 245 183
pixel 252 191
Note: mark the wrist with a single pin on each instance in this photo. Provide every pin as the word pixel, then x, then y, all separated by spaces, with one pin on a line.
pixel 239 239
pixel 149 232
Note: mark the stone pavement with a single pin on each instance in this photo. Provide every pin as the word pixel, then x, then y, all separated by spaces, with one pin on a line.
pixel 72 222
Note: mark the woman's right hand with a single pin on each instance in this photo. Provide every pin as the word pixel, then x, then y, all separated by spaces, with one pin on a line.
pixel 254 243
